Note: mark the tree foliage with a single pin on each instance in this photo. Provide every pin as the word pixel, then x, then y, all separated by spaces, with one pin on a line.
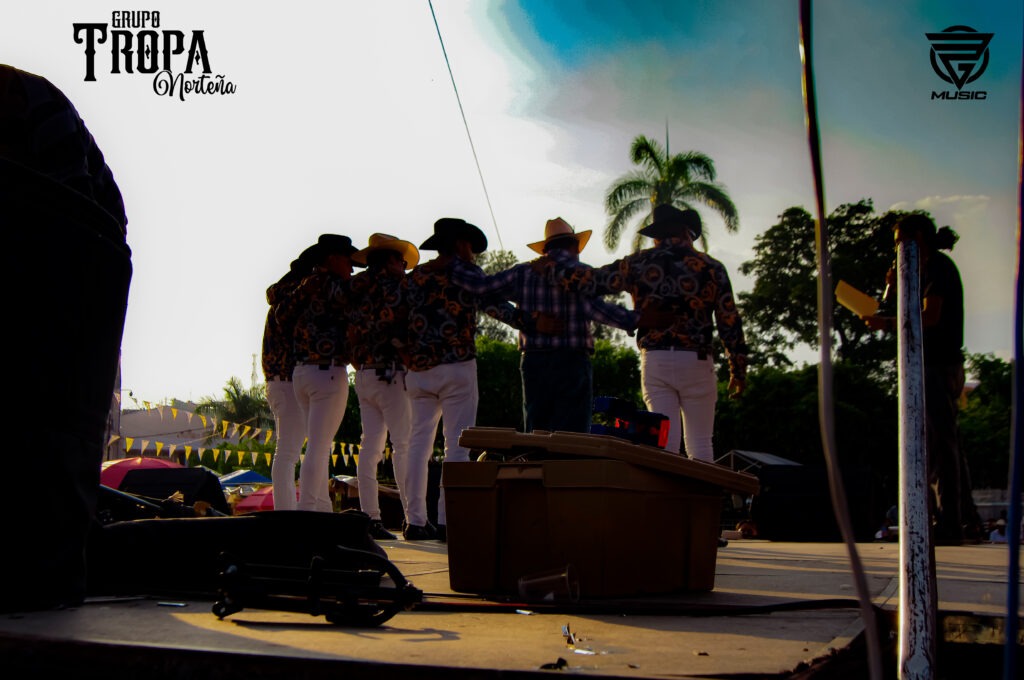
pixel 492 262
pixel 780 312
pixel 684 180
pixel 985 421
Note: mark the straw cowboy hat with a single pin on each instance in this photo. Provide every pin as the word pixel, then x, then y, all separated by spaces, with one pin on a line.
pixel 669 221
pixel 447 230
pixel 556 229
pixel 406 250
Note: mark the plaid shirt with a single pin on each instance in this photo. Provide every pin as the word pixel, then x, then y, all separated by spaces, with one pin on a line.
pixel 319 309
pixel 673 277
pixel 531 286
pixel 278 349
pixel 442 314
pixel 375 313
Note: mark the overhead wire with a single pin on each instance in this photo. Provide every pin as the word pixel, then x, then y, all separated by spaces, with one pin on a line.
pixel 465 123
pixel 826 407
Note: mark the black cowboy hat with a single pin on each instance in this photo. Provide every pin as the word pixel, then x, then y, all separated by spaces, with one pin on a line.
pixel 335 244
pixel 447 230
pixel 669 221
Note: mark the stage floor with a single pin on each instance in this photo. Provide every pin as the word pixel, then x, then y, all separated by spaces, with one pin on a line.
pixel 775 608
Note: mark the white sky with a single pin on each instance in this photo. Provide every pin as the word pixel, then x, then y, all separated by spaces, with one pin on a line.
pixel 345 120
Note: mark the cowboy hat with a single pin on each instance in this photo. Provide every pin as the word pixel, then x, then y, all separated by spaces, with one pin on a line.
pixel 668 221
pixel 335 244
pixel 307 259
pixel 406 250
pixel 447 230
pixel 559 228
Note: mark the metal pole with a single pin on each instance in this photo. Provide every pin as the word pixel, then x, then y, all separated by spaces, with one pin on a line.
pixel 917 587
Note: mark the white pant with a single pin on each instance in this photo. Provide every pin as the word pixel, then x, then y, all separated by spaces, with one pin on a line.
pixel 322 396
pixel 447 392
pixel 290 429
pixel 675 381
pixel 384 409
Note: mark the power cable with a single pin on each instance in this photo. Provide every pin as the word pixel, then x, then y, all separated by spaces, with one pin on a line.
pixel 826 407
pixel 465 123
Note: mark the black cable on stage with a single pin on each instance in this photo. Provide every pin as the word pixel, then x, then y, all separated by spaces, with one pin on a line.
pixel 826 409
pixel 466 124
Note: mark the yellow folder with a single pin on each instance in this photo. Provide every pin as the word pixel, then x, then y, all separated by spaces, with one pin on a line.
pixel 856 301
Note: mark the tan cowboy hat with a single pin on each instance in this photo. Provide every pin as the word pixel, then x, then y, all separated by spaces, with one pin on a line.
pixel 556 229
pixel 387 242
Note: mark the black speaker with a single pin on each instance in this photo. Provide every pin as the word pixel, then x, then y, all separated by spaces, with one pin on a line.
pixel 795 504
pixel 195 484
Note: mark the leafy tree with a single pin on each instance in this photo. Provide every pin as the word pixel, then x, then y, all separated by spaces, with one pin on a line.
pixel 617 372
pixel 985 421
pixel 681 180
pixel 500 384
pixel 492 262
pixel 781 311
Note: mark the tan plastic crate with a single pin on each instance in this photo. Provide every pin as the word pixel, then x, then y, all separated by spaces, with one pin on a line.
pixel 627 527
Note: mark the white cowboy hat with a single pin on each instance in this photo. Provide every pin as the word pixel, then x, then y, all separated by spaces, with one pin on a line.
pixel 559 228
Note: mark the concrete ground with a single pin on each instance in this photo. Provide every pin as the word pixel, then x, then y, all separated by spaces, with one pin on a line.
pixel 774 609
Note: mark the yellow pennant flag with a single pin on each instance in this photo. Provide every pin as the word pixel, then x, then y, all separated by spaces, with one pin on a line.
pixel 146 405
pixel 241 456
pixel 267 457
pixel 203 418
pixel 224 428
pixel 216 454
pixel 159 447
pixel 245 430
pixel 270 433
pixel 188 450
pixel 334 460
pixel 128 443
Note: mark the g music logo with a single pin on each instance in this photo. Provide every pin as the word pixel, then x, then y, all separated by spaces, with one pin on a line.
pixel 959 56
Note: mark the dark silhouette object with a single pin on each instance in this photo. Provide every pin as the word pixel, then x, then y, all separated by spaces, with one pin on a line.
pixel 66 268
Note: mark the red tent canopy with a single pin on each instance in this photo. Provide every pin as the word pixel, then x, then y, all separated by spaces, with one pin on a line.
pixel 112 472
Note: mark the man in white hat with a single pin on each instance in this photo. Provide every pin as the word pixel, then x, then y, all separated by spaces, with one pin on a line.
pixel 556 347
pixel 376 321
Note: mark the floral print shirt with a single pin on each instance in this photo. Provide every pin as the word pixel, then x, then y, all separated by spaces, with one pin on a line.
pixel 278 348
pixel 442 314
pixel 319 311
pixel 674 277
pixel 376 317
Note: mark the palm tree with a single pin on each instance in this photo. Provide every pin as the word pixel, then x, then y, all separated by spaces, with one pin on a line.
pixel 679 180
pixel 241 405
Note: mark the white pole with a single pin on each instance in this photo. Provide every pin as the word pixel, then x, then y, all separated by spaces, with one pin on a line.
pixel 917 587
